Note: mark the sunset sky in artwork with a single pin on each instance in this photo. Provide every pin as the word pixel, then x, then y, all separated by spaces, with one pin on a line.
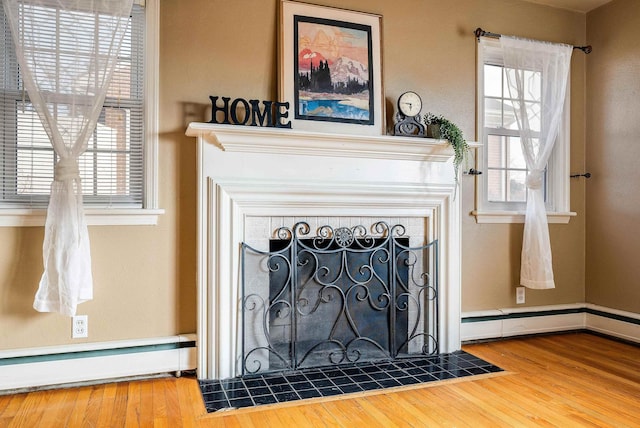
pixel 333 42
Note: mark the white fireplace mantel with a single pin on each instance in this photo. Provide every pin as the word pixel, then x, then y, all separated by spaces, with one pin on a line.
pixel 245 173
pixel 287 141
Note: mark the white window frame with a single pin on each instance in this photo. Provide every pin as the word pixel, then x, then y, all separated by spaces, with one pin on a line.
pixel 148 215
pixel 557 177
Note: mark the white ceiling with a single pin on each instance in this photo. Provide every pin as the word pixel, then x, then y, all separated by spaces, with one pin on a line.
pixel 577 5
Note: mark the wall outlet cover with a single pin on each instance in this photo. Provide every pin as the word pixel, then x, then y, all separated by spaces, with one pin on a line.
pixel 80 326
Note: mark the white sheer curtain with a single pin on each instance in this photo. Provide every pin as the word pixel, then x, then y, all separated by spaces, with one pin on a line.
pixel 67 51
pixel 541 68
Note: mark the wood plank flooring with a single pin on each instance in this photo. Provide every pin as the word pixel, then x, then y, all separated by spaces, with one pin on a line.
pixel 568 380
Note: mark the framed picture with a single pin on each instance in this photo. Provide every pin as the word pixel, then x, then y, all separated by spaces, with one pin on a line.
pixel 331 69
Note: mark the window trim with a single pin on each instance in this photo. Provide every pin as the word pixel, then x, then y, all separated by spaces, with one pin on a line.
pixel 507 217
pixel 148 215
pixel 558 206
pixel 26 217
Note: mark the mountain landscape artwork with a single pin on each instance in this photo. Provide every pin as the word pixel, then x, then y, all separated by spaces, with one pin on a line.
pixel 333 71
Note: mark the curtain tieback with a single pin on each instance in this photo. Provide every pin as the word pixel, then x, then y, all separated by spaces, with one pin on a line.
pixel 534 180
pixel 66 169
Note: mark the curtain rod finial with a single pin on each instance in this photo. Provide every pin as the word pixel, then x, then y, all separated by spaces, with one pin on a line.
pixel 586 49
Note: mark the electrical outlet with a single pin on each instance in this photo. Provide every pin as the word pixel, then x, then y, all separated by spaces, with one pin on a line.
pixel 80 326
pixel 519 295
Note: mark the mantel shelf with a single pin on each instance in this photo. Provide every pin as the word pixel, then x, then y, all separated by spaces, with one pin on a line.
pixel 234 138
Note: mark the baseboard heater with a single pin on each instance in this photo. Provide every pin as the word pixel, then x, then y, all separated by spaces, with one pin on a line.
pixel 549 319
pixel 39 367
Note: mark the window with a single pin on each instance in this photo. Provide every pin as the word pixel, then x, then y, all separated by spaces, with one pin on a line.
pixel 502 193
pixel 118 168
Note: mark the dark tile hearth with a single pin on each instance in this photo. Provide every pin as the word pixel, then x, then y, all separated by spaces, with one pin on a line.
pixel 271 388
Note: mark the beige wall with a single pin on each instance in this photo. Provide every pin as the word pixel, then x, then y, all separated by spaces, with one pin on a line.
pixel 613 151
pixel 145 276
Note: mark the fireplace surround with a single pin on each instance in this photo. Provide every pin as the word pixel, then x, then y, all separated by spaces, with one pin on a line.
pixel 250 179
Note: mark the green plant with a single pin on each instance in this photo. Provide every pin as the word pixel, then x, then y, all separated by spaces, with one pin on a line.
pixel 450 131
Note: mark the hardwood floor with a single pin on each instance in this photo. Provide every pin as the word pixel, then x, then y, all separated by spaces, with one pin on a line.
pixel 566 380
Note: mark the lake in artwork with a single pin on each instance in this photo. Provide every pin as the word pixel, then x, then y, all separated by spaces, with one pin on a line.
pixel 332 108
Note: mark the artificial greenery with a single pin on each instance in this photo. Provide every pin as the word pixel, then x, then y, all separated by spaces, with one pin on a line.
pixel 450 131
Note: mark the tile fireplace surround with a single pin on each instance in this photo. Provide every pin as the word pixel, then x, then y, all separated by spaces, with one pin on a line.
pixel 250 176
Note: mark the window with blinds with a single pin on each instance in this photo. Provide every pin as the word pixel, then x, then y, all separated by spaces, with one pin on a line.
pixel 112 168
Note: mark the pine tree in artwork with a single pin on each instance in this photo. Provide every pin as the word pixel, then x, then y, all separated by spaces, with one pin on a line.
pixel 318 79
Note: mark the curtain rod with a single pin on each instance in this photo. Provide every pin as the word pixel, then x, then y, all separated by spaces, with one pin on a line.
pixel 480 33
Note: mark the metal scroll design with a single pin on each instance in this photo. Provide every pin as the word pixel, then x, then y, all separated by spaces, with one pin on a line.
pixel 342 296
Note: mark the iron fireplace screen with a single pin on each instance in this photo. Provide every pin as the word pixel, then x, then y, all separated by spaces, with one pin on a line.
pixel 342 296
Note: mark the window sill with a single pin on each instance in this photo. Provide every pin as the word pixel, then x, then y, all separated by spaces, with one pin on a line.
pixel 518 217
pixel 94 217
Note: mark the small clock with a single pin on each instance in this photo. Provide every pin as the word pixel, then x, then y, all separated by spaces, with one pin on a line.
pixel 408 119
pixel 409 104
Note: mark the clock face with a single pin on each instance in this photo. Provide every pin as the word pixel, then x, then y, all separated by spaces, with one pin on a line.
pixel 410 104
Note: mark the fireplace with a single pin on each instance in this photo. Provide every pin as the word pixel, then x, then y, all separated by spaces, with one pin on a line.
pixel 253 181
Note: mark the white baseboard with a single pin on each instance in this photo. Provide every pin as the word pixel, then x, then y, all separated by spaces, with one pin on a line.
pixel 621 324
pixel 37 367
pixel 511 322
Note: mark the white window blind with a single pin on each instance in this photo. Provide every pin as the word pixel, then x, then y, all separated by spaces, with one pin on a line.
pixel 112 168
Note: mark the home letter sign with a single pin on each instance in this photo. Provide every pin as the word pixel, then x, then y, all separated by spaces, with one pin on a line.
pixel 241 112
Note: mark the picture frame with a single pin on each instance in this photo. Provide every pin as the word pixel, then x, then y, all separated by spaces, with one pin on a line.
pixel 330 69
